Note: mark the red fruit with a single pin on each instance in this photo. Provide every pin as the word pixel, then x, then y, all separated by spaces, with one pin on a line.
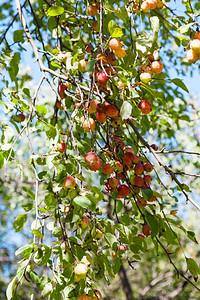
pixel 145 106
pixel 147 178
pixel 92 10
pixel 88 48
pixel 21 117
pixel 84 297
pixel 128 158
pixel 102 59
pixel 156 67
pixel 96 166
pixel 145 187
pixel 141 202
pixel 113 182
pixel 139 169
pixel 69 182
pixel 91 106
pixel 94 25
pixel 59 105
pixel 101 117
pixel 110 110
pixel 122 248
pixel 136 159
pixel 129 149
pixel 112 59
pixel 142 236
pixel 123 191
pixel 115 44
pixel 148 167
pixel 138 181
pixel 102 78
pixel 155 147
pixel 146 230
pixel 88 124
pixel 61 90
pixel 61 147
pixel 153 198
pixel 118 166
pixel 91 158
pixel 100 107
pixel 107 169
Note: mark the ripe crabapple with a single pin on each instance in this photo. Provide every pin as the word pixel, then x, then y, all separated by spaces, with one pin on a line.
pixel 148 167
pixel 152 3
pixel 139 169
pixel 102 59
pixel 113 182
pixel 138 181
pixel 120 53
pixel 81 65
pixel 197 35
pixel 102 78
pixel 112 59
pixel 155 147
pixel 115 44
pixel 96 166
pixel 83 222
pixel 147 178
pixel 61 147
pixel 91 158
pixel 145 7
pixel 146 230
pixel 110 110
pixel 101 117
pixel 123 191
pixel 156 67
pixel 107 169
pixel 88 124
pixel 69 182
pixel 145 107
pixel 92 10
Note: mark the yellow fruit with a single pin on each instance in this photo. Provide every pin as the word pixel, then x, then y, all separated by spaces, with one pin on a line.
pixel 195 45
pixel 145 77
pixel 192 56
pixel 121 52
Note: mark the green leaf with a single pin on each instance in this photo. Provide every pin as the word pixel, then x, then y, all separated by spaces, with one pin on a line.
pixel 116 265
pixel 147 193
pixel 82 201
pixel 192 267
pixel 42 255
pixel 90 65
pixel 18 36
pixel 110 238
pixel 27 206
pixel 117 32
pixel 19 222
pixel 184 28
pixel 10 288
pixel 180 84
pixel 57 231
pixel 21 249
pixel 28 192
pixel 41 109
pixel 54 11
pixel 153 223
pixel 126 110
pixel 47 289
pixel 1 160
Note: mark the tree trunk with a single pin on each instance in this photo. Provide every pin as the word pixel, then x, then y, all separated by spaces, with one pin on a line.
pixel 125 283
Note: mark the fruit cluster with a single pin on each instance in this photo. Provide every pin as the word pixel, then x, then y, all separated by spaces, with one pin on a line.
pixel 193 53
pixel 151 4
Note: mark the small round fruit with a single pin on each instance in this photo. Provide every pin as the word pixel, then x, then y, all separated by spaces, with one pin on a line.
pixel 148 167
pixel 101 117
pixel 138 181
pixel 123 191
pixel 88 124
pixel 145 7
pixel 110 110
pixel 113 182
pixel 139 169
pixel 94 25
pixel 155 147
pixel 145 106
pixel 147 179
pixel 112 59
pixel 118 166
pixel 81 65
pixel 69 182
pixel 83 222
pixel 115 44
pixel 102 78
pixel 107 169
pixel 61 89
pixel 102 59
pixel 92 10
pixel 145 77
pixel 156 67
pixel 192 56
pixel 59 105
pixel 97 166
pixel 21 117
pixel 195 45
pixel 98 234
pixel 146 230
pixel 153 198
pixel 91 158
pixel 121 52
pixel 152 3
pixel 160 4
pixel 80 271
pixel 61 147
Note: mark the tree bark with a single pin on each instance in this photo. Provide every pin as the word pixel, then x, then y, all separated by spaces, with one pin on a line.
pixel 125 283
